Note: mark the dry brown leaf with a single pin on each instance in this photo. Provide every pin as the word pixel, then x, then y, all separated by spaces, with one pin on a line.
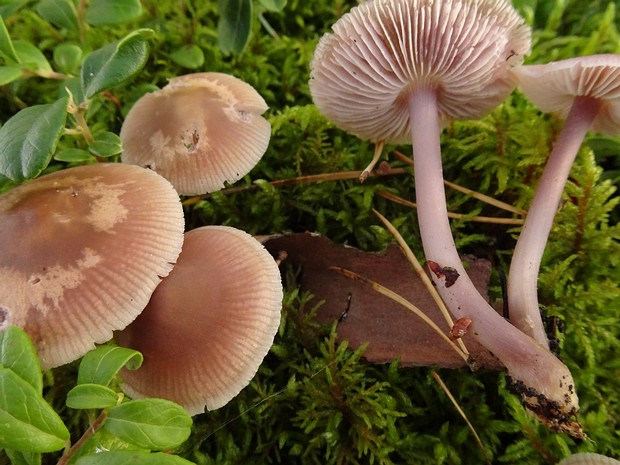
pixel 390 330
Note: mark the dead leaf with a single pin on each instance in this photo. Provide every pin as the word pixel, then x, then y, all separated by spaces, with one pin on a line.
pixel 366 316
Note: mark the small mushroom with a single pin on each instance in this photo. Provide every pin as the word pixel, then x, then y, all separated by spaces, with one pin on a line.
pixel 82 251
pixel 199 131
pixel 588 458
pixel 209 324
pixel 585 91
pixel 394 70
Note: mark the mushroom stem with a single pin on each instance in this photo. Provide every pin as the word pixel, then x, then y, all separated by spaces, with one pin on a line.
pixel 523 275
pixel 543 381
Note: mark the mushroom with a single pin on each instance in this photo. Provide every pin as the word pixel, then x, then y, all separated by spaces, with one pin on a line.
pixel 394 70
pixel 588 458
pixel 209 324
pixel 585 91
pixel 82 251
pixel 199 131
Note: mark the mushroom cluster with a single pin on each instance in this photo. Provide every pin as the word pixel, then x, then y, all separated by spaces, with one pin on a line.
pixel 397 71
pixel 85 250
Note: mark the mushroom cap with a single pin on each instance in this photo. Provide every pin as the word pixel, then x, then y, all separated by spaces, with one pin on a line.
pixel 588 458
pixel 199 131
pixel 209 324
pixel 361 73
pixel 82 251
pixel 552 87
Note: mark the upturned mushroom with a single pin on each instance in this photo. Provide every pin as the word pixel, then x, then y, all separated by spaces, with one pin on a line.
pixel 395 70
pixel 199 131
pixel 209 324
pixel 82 252
pixel 585 91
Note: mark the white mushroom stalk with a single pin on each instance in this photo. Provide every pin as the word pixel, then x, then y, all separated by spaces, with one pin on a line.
pixel 587 92
pixel 395 70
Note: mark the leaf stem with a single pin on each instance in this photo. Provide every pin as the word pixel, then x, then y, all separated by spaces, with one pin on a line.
pixel 92 429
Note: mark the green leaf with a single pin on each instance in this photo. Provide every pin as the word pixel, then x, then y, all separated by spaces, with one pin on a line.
pixel 234 25
pixel 6 44
pixel 115 63
pixel 100 12
pixel 18 354
pixel 127 457
pixel 61 13
pixel 153 424
pixel 23 458
pixel 273 5
pixel 100 365
pixel 29 138
pixel 73 156
pixel 10 73
pixel 29 424
pixel 31 57
pixel 8 7
pixel 188 56
pixel 106 144
pixel 91 396
pixel 68 57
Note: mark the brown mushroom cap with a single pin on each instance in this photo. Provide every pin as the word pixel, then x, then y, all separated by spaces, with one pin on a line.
pixel 209 324
pixel 552 87
pixel 82 251
pixel 199 131
pixel 361 73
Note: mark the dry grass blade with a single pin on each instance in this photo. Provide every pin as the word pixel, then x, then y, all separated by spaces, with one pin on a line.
pixel 477 195
pixel 462 413
pixel 339 176
pixel 420 272
pixel 402 301
pixel 479 219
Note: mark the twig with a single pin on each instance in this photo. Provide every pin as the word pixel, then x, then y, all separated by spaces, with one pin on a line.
pixel 480 219
pixel 340 176
pixel 477 195
pixel 92 429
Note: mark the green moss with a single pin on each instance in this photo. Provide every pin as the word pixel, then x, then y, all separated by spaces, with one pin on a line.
pixel 314 400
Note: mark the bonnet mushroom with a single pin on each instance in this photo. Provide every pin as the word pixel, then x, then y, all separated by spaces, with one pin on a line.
pixel 199 131
pixel 585 91
pixel 82 251
pixel 395 70
pixel 209 324
pixel 588 458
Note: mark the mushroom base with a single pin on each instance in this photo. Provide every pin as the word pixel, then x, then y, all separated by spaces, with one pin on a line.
pixel 553 414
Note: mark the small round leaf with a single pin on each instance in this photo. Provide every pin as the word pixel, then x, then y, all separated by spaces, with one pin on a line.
pixel 188 56
pixel 115 63
pixel 153 424
pixel 29 423
pixel 91 396
pixel 29 138
pixel 105 145
pixel 100 366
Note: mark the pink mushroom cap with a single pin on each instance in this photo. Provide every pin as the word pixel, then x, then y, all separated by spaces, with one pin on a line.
pixel 552 87
pixel 82 251
pixel 209 324
pixel 199 131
